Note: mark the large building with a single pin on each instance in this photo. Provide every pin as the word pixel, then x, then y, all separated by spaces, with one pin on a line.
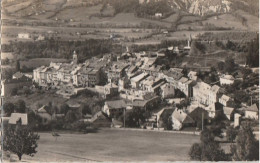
pixel 80 75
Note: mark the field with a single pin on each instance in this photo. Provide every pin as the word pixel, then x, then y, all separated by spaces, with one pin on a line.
pixel 114 145
pixel 37 62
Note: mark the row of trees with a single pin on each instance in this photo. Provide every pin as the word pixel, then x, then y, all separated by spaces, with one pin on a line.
pixel 246 147
pixel 18 107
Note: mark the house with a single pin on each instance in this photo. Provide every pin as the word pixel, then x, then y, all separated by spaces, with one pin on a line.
pixel 181 119
pixel 201 93
pixel 100 119
pixel 18 118
pixel 172 76
pixel 214 110
pixel 226 79
pixel 192 75
pixel 17 75
pixel 135 81
pixel 228 112
pixel 116 124
pixel 226 101
pixel 198 114
pixel 46 118
pixel 252 112
pixel 110 90
pixel 185 85
pixel 164 116
pixel 114 108
pixel 24 35
pixel 214 94
pixel 167 90
pixel 158 15
pixel 116 71
pixel 237 118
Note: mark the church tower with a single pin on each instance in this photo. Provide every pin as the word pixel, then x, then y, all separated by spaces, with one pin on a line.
pixel 75 57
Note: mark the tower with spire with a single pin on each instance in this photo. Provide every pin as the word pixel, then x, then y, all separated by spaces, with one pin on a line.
pixel 75 58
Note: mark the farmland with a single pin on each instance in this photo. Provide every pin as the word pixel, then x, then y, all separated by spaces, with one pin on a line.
pixel 114 145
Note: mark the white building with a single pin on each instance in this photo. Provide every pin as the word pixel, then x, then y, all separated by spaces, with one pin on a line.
pixel 226 79
pixel 252 112
pixel 24 35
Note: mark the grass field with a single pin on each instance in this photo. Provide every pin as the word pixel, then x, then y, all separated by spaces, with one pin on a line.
pixel 114 145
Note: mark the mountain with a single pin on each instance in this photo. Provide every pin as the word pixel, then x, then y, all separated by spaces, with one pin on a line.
pixel 208 7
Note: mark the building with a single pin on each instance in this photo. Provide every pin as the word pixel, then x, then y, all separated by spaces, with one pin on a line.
pixel 158 15
pixel 46 118
pixel 226 101
pixel 135 81
pixel 185 85
pixel 18 118
pixel 252 112
pixel 167 90
pixel 116 71
pixel 24 35
pixel 114 108
pixel 226 79
pixel 192 75
pixel 201 93
pixel 110 90
pixel 229 113
pixel 100 119
pixel 214 110
pixel 181 119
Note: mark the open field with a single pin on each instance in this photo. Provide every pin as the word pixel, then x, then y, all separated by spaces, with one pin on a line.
pixel 37 62
pixel 114 145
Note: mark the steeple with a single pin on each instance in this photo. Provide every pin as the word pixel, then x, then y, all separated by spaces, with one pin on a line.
pixel 75 57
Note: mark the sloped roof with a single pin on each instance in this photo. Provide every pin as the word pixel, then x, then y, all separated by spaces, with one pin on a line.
pixel 18 75
pixel 252 108
pixel 183 80
pixel 139 77
pixel 225 97
pixel 215 88
pixel 116 104
pixel 228 77
pixel 228 110
pixel 18 116
pixel 42 109
pixel 182 116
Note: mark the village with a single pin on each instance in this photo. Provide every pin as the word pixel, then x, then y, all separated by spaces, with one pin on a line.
pixel 137 93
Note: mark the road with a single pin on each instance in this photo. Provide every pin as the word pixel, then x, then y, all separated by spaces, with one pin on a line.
pixel 114 145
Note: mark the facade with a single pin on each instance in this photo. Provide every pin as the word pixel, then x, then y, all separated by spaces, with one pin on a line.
pixel 252 112
pixel 114 108
pixel 180 119
pixel 226 101
pixel 167 90
pixel 226 79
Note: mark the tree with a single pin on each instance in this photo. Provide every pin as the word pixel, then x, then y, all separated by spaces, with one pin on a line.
pixel 8 108
pixel 20 140
pixel 17 65
pixel 14 91
pixel 64 108
pixel 207 149
pixel 230 65
pixel 71 116
pixel 20 106
pixel 195 152
pixel 231 133
pixel 246 147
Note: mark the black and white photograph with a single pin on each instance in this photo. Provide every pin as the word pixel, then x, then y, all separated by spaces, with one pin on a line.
pixel 129 80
